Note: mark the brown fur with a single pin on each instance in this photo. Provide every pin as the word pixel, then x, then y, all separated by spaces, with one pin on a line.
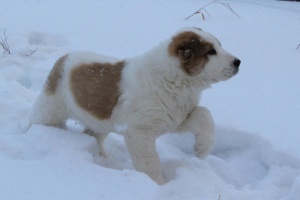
pixel 191 50
pixel 55 76
pixel 95 87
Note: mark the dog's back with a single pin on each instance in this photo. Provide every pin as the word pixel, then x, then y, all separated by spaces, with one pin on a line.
pixel 78 82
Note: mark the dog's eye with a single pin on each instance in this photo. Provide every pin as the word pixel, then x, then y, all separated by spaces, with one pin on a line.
pixel 212 52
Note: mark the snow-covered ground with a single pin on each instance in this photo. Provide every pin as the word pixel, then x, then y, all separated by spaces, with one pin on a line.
pixel 257 113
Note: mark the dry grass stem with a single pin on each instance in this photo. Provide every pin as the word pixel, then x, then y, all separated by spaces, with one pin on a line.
pixel 227 5
pixel 32 52
pixel 4 43
pixel 200 11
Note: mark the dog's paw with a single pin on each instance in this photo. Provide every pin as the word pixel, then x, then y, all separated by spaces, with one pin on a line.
pixel 202 151
pixel 159 180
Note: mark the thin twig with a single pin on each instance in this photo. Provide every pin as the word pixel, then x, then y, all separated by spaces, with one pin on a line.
pixel 198 11
pixel 206 12
pixel 227 5
pixel 298 46
pixel 32 52
pixel 4 43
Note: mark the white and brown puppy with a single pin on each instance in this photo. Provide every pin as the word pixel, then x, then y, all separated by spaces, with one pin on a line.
pixel 142 98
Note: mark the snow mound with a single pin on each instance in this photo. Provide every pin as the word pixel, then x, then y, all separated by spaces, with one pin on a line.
pixel 39 38
pixel 48 161
pixel 242 166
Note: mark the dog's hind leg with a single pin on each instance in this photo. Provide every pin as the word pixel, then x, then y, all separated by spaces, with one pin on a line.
pixel 48 110
pixel 100 141
pixel 201 124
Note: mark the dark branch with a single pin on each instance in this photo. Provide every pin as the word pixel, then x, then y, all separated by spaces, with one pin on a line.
pixel 4 43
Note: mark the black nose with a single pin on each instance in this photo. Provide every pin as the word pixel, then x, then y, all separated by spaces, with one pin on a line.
pixel 236 62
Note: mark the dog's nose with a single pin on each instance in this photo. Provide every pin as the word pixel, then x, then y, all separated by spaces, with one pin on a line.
pixel 236 62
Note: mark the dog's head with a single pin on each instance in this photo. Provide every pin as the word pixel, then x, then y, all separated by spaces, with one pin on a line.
pixel 200 53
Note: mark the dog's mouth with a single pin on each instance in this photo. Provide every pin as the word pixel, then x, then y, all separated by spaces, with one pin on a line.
pixel 228 73
pixel 235 71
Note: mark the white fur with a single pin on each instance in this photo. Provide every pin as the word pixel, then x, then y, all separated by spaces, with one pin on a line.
pixel 157 97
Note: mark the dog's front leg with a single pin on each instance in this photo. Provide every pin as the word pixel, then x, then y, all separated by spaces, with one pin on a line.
pixel 141 146
pixel 201 124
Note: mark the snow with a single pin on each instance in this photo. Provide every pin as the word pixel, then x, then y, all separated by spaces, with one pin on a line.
pixel 257 152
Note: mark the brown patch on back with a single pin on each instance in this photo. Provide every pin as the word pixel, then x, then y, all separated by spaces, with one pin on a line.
pixel 95 87
pixel 55 76
pixel 191 50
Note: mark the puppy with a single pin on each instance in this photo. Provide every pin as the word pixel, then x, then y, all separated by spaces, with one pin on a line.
pixel 142 97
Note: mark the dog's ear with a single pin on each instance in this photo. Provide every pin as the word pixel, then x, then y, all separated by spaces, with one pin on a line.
pixel 185 53
pixel 184 45
pixel 191 50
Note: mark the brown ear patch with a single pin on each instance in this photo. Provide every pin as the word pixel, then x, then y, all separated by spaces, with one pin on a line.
pixel 191 50
pixel 55 76
pixel 95 87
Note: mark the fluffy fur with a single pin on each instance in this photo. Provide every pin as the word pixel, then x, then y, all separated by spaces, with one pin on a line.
pixel 155 93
